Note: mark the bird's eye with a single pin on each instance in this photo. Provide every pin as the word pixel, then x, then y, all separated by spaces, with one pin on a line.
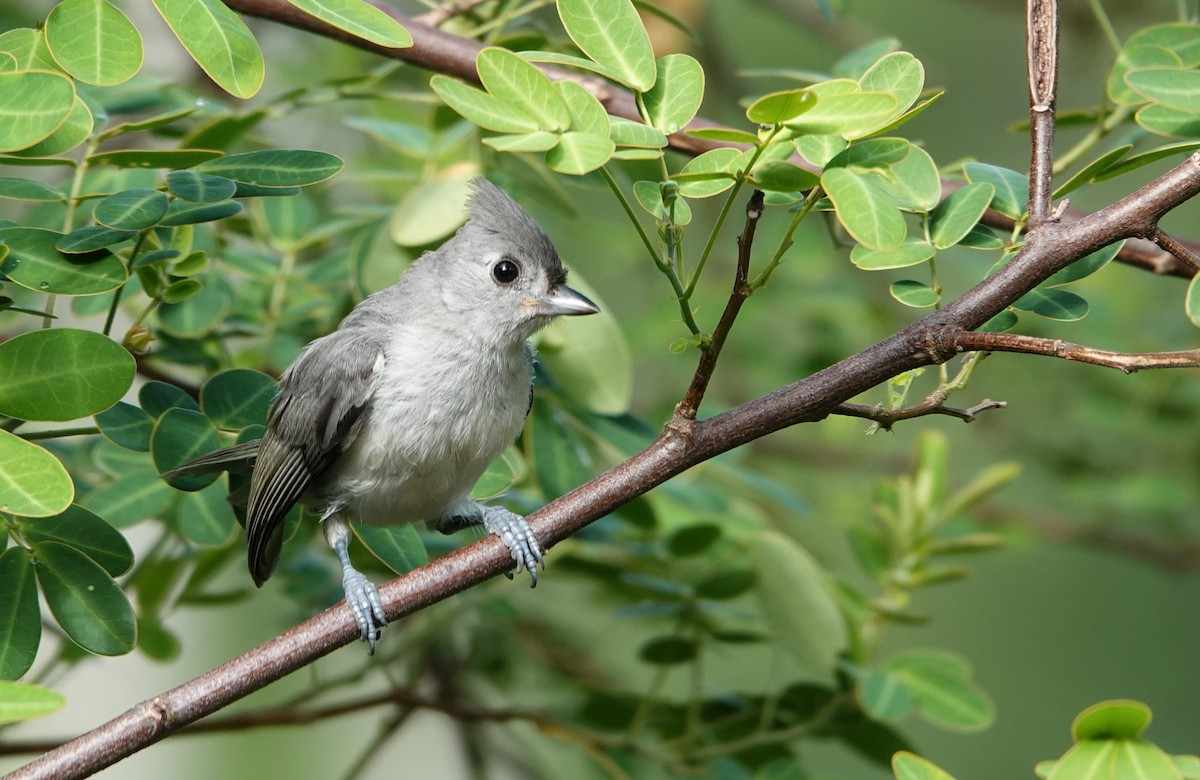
pixel 506 271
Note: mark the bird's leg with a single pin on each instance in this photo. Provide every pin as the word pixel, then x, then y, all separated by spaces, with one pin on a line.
pixel 512 529
pixel 361 596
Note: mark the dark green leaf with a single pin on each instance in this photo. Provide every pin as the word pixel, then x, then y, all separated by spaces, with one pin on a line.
pixel 1092 170
pixel 237 397
pixel 397 547
pixel 27 189
pixel 726 584
pixel 275 167
pixel 883 695
pixel 181 212
pixel 178 436
pixel 34 262
pixel 782 176
pixel 693 539
pixel 152 158
pixel 200 187
pixel 20 616
pixel 131 209
pixel 200 313
pixel 62 374
pixel 126 426
pixel 1138 160
pixel 89 239
pixel 206 517
pixel 157 397
pixel 80 529
pixel 135 497
pixel 556 450
pixel 86 602
pixel 1085 266
pixel 668 650
pixel 1012 188
pixel 1054 304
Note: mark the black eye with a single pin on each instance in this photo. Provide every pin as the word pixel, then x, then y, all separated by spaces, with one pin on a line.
pixel 506 271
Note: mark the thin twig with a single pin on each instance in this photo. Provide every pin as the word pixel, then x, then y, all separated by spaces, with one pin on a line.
pixel 1042 30
pixel 1177 249
pixel 933 404
pixel 1129 362
pixel 710 350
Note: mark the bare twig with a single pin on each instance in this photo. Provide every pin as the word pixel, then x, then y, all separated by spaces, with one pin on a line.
pixel 1042 30
pixel 710 350
pixel 1129 362
pixel 934 403
pixel 1178 250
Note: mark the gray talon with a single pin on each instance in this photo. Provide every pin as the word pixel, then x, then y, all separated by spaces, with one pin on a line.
pixel 518 537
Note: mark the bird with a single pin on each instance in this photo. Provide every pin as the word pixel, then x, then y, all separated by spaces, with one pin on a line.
pixel 394 416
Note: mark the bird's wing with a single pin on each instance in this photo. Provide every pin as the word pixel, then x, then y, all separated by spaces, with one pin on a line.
pixel 316 415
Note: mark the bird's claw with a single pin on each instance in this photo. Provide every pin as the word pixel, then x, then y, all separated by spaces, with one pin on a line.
pixel 518 537
pixel 364 602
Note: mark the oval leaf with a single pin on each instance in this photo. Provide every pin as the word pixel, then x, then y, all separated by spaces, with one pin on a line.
pixel 238 397
pixel 676 95
pixel 912 293
pixel 19 701
pixel 1053 303
pixel 397 547
pixel 94 42
pixel 200 187
pixel 359 19
pixel 33 483
pixel 71 133
pixel 959 212
pixel 522 87
pixel 84 531
pixel 126 426
pixel 580 153
pixel 62 374
pixel 180 435
pixel 275 167
pixel 131 209
pixel 611 33
pixel 33 104
pixel 482 109
pixel 1115 719
pixel 864 209
pixel 219 41
pixel 91 608
pixel 34 261
pixel 20 616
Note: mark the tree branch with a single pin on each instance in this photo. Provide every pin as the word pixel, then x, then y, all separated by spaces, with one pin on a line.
pixel 1041 18
pixel 440 51
pixel 711 350
pixel 1129 362
pixel 934 403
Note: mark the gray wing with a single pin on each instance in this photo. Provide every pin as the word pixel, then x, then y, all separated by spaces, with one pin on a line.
pixel 316 415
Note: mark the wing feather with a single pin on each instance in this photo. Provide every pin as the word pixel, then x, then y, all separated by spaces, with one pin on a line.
pixel 321 401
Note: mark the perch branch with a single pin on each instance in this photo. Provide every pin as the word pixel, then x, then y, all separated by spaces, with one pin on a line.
pixel 1042 35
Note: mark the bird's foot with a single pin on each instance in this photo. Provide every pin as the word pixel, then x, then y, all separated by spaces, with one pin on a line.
pixel 518 537
pixel 364 603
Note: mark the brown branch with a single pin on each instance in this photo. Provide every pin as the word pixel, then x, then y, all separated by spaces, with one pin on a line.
pixel 711 349
pixel 443 13
pixel 439 51
pixel 1129 362
pixel 1041 19
pixel 935 403
pixel 1178 250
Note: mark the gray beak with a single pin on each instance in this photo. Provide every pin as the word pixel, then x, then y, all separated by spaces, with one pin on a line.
pixel 562 300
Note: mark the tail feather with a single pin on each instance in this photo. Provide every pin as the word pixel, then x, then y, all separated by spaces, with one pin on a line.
pixel 238 459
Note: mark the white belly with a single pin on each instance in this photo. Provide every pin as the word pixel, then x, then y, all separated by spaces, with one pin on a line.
pixel 428 436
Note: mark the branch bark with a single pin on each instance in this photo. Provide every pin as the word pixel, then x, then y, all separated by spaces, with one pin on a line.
pixel 1042 57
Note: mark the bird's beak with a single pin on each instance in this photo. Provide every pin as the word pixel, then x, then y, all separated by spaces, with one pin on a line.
pixel 562 300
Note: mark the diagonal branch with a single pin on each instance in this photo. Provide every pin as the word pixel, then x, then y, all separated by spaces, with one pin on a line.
pixel 443 52
pixel 934 403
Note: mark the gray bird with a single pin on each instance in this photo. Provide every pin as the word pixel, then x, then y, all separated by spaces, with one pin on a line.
pixel 394 416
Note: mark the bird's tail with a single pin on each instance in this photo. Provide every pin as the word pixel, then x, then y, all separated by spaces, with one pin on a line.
pixel 238 459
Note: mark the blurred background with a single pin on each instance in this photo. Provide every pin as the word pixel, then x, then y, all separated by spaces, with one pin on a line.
pixel 1094 597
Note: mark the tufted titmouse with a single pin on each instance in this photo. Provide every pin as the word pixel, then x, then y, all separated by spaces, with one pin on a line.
pixel 394 416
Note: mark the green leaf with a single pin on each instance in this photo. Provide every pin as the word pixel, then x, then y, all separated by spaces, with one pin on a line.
pixel 1177 88
pixel 288 221
pixel 237 397
pixel 1168 121
pixel 1012 188
pixel 359 19
pixel 556 450
pixel 219 41
pixel 907 766
pixel 714 161
pixel 71 133
pixel 126 426
pixel 649 197
pixel 611 33
pixel 1114 719
pixel 883 695
pixel 131 209
pixel 864 208
pixel 1136 758
pixel 820 150
pixel 914 181
pixel 180 290
pixel 499 476
pixel 33 104
pixel 586 112
pixel 86 602
pixel 1084 266
pixel 958 213
pixel 981 237
pixel 480 108
pixel 33 483
pixel 34 262
pixel 570 61
pixel 725 585
pixel 1092 170
pixel 275 167
pixel 1053 303
pixel 724 134
pixel 522 88
pixel 626 132
pixel 668 650
pixel 1188 766
pixel 28 189
pixel 62 374
pixel 20 617
pixel 1138 160
pixel 676 95
pixel 153 158
pixel 1192 301
pixel 136 496
pixel 149 123
pixel 1163 44
pixel 848 114
pixel 855 63
pixel 433 209
pixel 912 293
pixel 397 547
pixel 580 153
pixel 206 516
pixel 181 212
pixel 873 154
pixel 537 141
pixel 82 530
pixel 912 252
pixel 779 107
pixel 88 239
pixel 178 436
pixel 899 74
pixel 94 42
pixel 28 47
pixel 157 397
pixel 200 187
pixel 19 701
pixel 693 539
pixel 940 685
pixel 798 602
pixel 782 176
